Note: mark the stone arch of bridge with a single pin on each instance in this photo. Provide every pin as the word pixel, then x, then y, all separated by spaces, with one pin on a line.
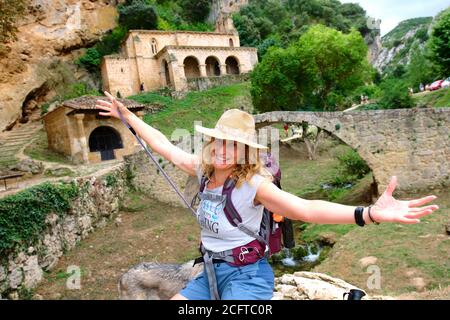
pixel 332 126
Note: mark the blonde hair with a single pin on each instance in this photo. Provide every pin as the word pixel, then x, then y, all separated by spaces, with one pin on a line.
pixel 242 172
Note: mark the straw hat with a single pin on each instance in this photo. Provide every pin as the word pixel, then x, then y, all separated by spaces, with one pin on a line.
pixel 234 125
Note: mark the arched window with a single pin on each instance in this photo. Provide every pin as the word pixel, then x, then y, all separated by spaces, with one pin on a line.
pixel 154 46
pixel 231 43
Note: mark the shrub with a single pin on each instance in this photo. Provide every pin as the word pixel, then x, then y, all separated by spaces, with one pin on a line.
pixel 138 15
pixel 10 12
pixel 439 42
pixel 109 44
pixel 353 164
pixel 195 11
pixel 22 216
pixel 316 73
pixel 395 95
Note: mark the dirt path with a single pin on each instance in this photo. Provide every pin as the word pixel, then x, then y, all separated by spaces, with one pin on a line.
pixel 90 170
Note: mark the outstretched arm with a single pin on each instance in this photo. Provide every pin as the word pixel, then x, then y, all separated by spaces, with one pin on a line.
pixel 386 209
pixel 154 138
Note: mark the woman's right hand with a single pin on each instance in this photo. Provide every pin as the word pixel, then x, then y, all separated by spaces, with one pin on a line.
pixel 111 107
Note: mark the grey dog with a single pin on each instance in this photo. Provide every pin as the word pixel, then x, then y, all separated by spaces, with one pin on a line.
pixel 155 281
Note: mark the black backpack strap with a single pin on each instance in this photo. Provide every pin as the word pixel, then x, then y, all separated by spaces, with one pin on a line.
pixel 203 183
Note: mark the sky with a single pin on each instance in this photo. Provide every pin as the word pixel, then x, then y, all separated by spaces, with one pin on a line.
pixel 392 12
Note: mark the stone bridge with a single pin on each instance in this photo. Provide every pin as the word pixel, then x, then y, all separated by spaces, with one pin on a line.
pixel 413 144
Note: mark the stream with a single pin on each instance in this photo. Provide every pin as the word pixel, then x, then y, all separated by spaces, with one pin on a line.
pixel 300 258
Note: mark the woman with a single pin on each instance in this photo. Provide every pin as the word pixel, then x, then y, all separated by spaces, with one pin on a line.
pixel 232 154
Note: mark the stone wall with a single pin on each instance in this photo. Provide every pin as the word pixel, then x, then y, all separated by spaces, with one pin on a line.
pixel 413 144
pixel 97 203
pixel 147 179
pixel 139 42
pixel 205 83
pixel 58 131
pixel 66 137
pixel 136 66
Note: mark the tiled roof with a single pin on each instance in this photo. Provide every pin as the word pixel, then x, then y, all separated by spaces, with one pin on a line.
pixel 88 103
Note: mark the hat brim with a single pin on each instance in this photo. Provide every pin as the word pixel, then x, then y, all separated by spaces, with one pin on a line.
pixel 221 135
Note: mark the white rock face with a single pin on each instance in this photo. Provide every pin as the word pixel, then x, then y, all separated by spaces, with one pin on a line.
pixel 386 55
pixel 32 272
pixel 314 286
pixel 368 261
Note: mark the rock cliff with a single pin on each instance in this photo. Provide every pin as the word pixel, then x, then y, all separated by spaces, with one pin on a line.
pixel 50 37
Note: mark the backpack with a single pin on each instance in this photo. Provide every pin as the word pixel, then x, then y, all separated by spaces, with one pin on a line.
pixel 276 230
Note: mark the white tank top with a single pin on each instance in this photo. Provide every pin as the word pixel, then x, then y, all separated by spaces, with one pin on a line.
pixel 217 234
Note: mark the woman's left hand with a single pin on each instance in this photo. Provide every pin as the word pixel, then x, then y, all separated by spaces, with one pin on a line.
pixel 388 209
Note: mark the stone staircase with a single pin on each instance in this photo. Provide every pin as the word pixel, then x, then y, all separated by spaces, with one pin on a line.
pixel 12 142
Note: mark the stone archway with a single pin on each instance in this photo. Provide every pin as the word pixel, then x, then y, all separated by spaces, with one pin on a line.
pixel 212 66
pixel 407 143
pixel 232 64
pixel 105 140
pixel 191 67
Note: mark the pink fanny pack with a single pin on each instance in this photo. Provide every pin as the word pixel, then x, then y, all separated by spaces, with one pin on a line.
pixel 247 254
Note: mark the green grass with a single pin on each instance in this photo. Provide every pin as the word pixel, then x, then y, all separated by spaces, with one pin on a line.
pixel 206 106
pixel 437 99
pixel 313 231
pixel 423 247
pixel 434 99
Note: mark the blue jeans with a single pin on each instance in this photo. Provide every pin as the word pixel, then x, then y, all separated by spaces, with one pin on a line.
pixel 251 282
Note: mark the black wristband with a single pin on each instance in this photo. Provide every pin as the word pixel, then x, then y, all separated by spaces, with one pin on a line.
pixel 359 216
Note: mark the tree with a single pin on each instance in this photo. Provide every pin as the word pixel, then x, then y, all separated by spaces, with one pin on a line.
pixel 440 43
pixel 335 64
pixel 266 44
pixel 138 15
pixel 421 69
pixel 316 73
pixel 10 11
pixel 287 20
pixel 248 33
pixel 395 95
pixel 110 43
pixel 274 81
pixel 195 11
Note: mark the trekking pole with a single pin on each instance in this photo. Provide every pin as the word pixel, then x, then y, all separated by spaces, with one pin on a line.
pixel 156 163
